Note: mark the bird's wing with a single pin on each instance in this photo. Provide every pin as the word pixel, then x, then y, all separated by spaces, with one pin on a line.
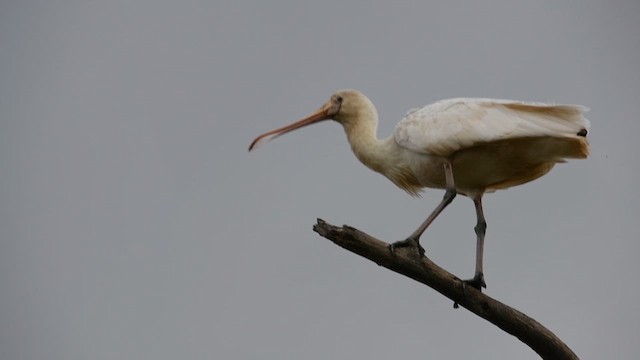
pixel 447 126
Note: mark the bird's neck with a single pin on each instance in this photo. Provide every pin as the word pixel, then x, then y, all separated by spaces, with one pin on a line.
pixel 366 146
pixel 383 156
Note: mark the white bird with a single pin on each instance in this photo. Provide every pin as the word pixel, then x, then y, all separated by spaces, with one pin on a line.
pixel 466 146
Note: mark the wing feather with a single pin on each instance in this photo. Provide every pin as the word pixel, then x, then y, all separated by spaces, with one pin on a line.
pixel 450 125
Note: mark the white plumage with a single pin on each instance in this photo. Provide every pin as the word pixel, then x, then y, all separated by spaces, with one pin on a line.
pixel 447 126
pixel 468 146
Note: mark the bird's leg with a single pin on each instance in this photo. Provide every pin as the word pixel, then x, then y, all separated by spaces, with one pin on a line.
pixel 481 227
pixel 449 195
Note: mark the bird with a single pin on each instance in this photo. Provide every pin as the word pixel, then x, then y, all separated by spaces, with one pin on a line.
pixel 466 146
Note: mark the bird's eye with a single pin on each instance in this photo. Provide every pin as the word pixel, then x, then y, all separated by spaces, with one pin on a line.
pixel 339 99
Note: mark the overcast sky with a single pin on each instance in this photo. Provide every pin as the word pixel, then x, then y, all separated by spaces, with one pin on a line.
pixel 134 224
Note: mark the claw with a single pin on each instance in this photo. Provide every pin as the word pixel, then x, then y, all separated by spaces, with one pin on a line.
pixel 477 282
pixel 392 248
pixel 420 249
pixel 409 242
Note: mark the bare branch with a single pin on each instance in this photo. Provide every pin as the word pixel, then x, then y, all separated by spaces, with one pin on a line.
pixel 406 261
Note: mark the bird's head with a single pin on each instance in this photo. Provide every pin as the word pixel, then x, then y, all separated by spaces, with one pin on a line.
pixel 344 106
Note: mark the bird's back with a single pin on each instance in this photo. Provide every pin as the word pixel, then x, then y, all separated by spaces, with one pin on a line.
pixel 447 126
pixel 494 144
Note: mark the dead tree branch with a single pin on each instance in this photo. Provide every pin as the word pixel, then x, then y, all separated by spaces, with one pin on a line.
pixel 406 261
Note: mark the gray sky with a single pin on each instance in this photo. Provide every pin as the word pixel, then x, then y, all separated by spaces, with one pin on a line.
pixel 134 224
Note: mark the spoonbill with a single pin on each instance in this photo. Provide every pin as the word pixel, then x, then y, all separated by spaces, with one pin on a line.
pixel 466 146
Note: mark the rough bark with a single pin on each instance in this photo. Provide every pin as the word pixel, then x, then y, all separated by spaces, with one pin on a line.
pixel 406 261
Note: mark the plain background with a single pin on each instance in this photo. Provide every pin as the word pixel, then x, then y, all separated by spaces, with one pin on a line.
pixel 134 224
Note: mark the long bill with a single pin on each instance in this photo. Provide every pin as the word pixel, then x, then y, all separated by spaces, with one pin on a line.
pixel 321 114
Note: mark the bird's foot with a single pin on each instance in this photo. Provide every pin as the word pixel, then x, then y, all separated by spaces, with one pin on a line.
pixel 477 282
pixel 409 242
